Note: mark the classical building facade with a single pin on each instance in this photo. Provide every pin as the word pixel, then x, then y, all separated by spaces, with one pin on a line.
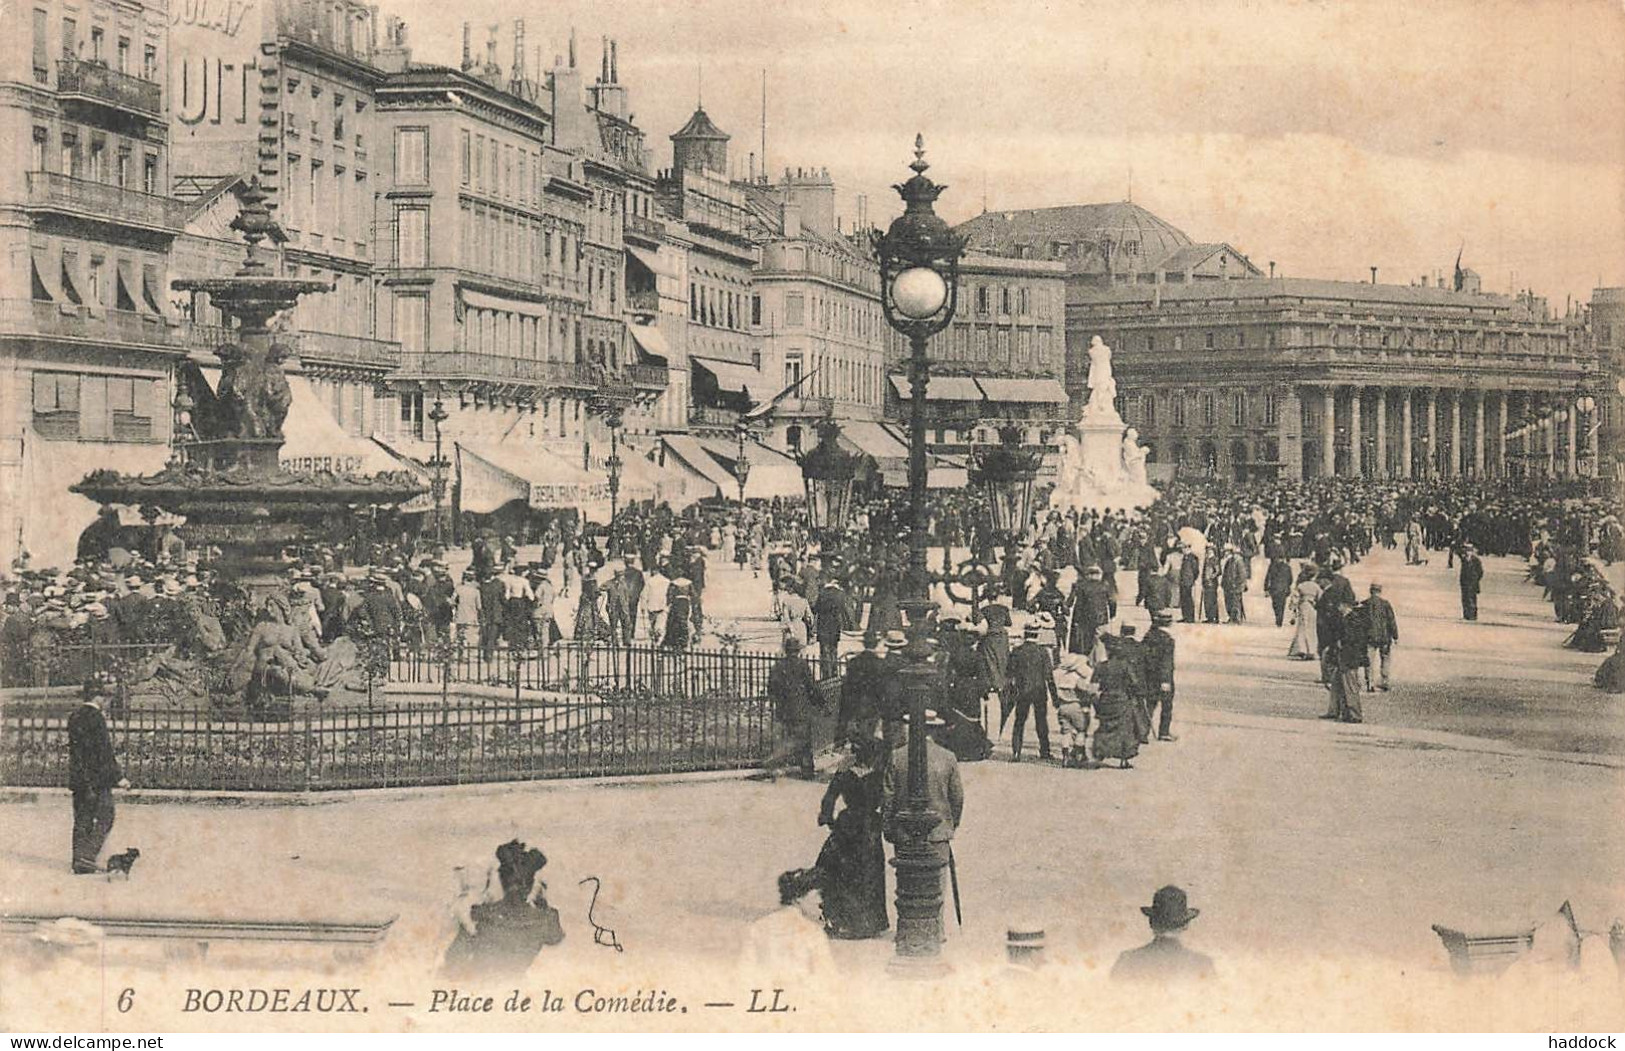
pixel 1306 378
pixel 815 308
pixel 88 336
pixel 1606 330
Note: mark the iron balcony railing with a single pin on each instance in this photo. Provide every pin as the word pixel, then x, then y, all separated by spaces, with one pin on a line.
pixel 100 200
pixel 652 229
pixel 497 368
pixel 337 348
pixel 95 81
pixel 649 376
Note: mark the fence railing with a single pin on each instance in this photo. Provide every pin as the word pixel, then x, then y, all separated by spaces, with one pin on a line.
pixel 71 664
pixel 570 666
pixel 402 744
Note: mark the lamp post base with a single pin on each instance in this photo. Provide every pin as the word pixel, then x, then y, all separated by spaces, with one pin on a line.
pixel 918 968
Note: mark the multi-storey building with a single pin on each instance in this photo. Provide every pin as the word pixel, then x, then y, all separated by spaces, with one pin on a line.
pixel 1607 333
pixel 815 310
pixel 710 218
pixel 88 337
pixel 1303 378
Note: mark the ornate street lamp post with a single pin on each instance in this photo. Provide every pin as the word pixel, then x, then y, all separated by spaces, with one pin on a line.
pixel 1006 473
pixel 1585 405
pixel 741 461
pixel 919 291
pixel 437 484
pixel 828 472
pixel 611 402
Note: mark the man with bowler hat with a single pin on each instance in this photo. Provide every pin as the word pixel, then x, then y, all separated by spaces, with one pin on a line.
pixel 1164 959
pixel 93 772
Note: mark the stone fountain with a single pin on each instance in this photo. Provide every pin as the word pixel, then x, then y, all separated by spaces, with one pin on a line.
pixel 227 482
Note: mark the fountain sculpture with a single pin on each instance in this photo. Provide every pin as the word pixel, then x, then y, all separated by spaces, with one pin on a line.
pixel 227 483
pixel 1103 466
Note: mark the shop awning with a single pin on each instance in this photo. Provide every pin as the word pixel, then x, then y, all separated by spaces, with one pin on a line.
pixel 483 301
pixel 771 472
pixel 495 474
pixel 650 340
pixel 49 528
pixel 734 376
pixel 941 388
pixel 643 479
pixel 686 451
pixel 653 260
pixel 872 439
pixel 1031 390
pixel 317 442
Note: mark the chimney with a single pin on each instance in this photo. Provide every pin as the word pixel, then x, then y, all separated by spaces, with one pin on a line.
pixel 790 217
pixel 491 68
pixel 614 62
pixel 603 72
pixel 468 47
pixel 1373 275
pixel 519 49
pixel 1272 269
pixel 572 47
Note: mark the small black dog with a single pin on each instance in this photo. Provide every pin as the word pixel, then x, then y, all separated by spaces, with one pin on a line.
pixel 122 862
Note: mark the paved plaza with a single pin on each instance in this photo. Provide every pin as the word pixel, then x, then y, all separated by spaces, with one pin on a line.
pixel 1481 793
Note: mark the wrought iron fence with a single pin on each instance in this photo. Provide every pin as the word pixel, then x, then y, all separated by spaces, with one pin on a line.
pixel 571 666
pixel 72 664
pixel 462 742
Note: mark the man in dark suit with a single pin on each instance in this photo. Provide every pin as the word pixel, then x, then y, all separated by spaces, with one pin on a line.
pixel 832 614
pixel 1164 960
pixel 1190 572
pixel 794 695
pixel 1233 578
pixel 1031 674
pixel 1091 610
pixel 1157 649
pixel 1382 635
pixel 93 772
pixel 1472 578
pixel 860 692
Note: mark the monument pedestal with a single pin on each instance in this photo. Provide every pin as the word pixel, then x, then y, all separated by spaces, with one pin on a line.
pixel 1097 478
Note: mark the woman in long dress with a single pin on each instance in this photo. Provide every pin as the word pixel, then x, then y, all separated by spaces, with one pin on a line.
pixel 853 861
pixel 1116 735
pixel 1306 640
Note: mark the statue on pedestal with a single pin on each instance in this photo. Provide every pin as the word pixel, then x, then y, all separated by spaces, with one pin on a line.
pixel 1102 387
pixel 1133 457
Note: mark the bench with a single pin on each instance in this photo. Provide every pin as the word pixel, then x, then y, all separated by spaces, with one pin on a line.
pixel 1482 953
pixel 350 939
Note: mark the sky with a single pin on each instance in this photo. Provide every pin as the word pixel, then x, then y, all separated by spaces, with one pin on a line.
pixel 1326 137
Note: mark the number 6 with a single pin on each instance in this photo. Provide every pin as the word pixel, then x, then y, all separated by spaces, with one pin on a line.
pixel 126 1000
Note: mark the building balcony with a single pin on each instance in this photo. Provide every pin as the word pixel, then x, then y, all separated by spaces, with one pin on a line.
pixel 705 416
pixel 807 407
pixel 95 83
pixel 648 377
pixel 646 228
pixel 32 317
pixel 103 202
pixel 456 365
pixel 332 348
pixel 643 302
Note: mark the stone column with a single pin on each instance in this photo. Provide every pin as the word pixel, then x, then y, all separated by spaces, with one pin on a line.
pixel 1356 454
pixel 1380 468
pixel 1405 444
pixel 1289 436
pixel 1478 435
pixel 1549 434
pixel 1501 434
pixel 1455 434
pixel 1328 432
pixel 1433 434
pixel 1574 438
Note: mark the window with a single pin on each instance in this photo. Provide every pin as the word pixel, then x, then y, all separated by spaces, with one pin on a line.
pixel 981 299
pixel 1209 413
pixel 70 154
pixel 795 305
pixel 93 280
pixel 1238 409
pixel 1241 339
pixel 149 62
pixel 98 159
pixel 42 59
pixel 56 404
pixel 1272 408
pixel 479 162
pixel 1004 300
pixel 122 173
pixel 36 156
pixel 411 236
pixel 70 41
pixel 411 156
pixel 123 54
pixel 412 322
pixel 149 173
pixel 1178 402
pixel 1148 410
pixel 338 120
pixel 756 312
pixel 1207 340
pixel 96 39
pixel 1026 300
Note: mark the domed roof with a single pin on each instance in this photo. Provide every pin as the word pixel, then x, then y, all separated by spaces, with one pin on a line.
pixel 1090 238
